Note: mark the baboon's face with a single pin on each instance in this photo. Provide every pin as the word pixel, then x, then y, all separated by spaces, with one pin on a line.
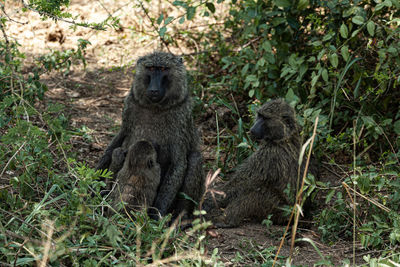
pixel 160 79
pixel 141 156
pixel 275 122
pixel 157 83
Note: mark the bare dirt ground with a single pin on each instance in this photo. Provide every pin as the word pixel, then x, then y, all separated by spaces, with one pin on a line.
pixel 94 96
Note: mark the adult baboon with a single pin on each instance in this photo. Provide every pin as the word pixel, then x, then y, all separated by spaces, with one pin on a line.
pixel 138 180
pixel 257 186
pixel 159 109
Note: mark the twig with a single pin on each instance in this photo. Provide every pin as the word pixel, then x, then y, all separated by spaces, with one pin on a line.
pixel 47 245
pixel 19 250
pixel 44 13
pixel 376 203
pixel 11 19
pixel 298 198
pixel 354 184
pixel 13 156
pixel 154 26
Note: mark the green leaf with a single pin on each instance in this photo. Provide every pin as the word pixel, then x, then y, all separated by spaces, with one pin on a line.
pixel 355 33
pixel 160 18
pixel 371 28
pixel 379 6
pixel 302 4
pixel 251 93
pixel 344 32
pixel 245 69
pixel 325 75
pixel 396 3
pixel 179 3
pixel 266 45
pixel 163 30
pixel 283 3
pixel 278 20
pixel 396 127
pixel 210 7
pixel 261 62
pixel 314 80
pixel 357 20
pixel 348 12
pixel 191 11
pixel 329 196
pixel 345 52
pixel 168 20
pixel 291 96
pixel 392 50
pixel 182 20
pixel 328 36
pixel 387 3
pixel 334 60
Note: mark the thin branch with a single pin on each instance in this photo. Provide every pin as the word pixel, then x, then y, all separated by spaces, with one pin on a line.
pixel 154 26
pixel 44 13
pixel 11 19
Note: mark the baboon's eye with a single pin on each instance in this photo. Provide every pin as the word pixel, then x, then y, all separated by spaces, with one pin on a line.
pixel 287 118
pixel 265 118
pixel 151 68
pixel 162 68
pixel 147 79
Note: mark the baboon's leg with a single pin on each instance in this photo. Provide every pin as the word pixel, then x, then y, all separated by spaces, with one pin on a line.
pixel 193 186
pixel 254 205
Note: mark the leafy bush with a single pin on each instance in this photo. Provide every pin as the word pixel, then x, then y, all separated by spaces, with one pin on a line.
pixel 339 58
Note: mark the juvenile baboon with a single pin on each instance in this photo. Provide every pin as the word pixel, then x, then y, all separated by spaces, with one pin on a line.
pixel 257 186
pixel 139 177
pixel 159 109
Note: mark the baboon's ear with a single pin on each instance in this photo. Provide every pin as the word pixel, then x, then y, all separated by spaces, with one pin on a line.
pixel 150 163
pixel 180 59
pixel 156 147
pixel 139 61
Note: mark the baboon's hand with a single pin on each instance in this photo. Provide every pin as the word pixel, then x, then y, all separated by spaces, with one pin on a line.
pixel 104 162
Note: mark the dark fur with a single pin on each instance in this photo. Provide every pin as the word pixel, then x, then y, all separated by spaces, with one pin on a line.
pixel 257 186
pixel 169 124
pixel 138 180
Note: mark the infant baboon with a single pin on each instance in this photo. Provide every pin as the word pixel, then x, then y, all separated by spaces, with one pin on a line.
pixel 159 109
pixel 138 180
pixel 257 186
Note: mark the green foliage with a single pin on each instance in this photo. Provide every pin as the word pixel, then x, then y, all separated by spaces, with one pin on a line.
pixel 62 60
pixel 339 57
pixel 377 226
pixel 13 80
pixel 54 7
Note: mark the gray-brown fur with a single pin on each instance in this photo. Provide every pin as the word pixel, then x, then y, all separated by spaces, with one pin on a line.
pixel 139 178
pixel 118 158
pixel 168 123
pixel 257 186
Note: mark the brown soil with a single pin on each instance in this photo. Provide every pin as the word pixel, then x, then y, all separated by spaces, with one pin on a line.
pixel 94 96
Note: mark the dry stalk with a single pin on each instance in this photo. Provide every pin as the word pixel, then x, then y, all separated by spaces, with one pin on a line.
pixel 297 205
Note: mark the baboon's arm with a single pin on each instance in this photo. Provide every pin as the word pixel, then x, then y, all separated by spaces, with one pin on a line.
pixel 105 160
